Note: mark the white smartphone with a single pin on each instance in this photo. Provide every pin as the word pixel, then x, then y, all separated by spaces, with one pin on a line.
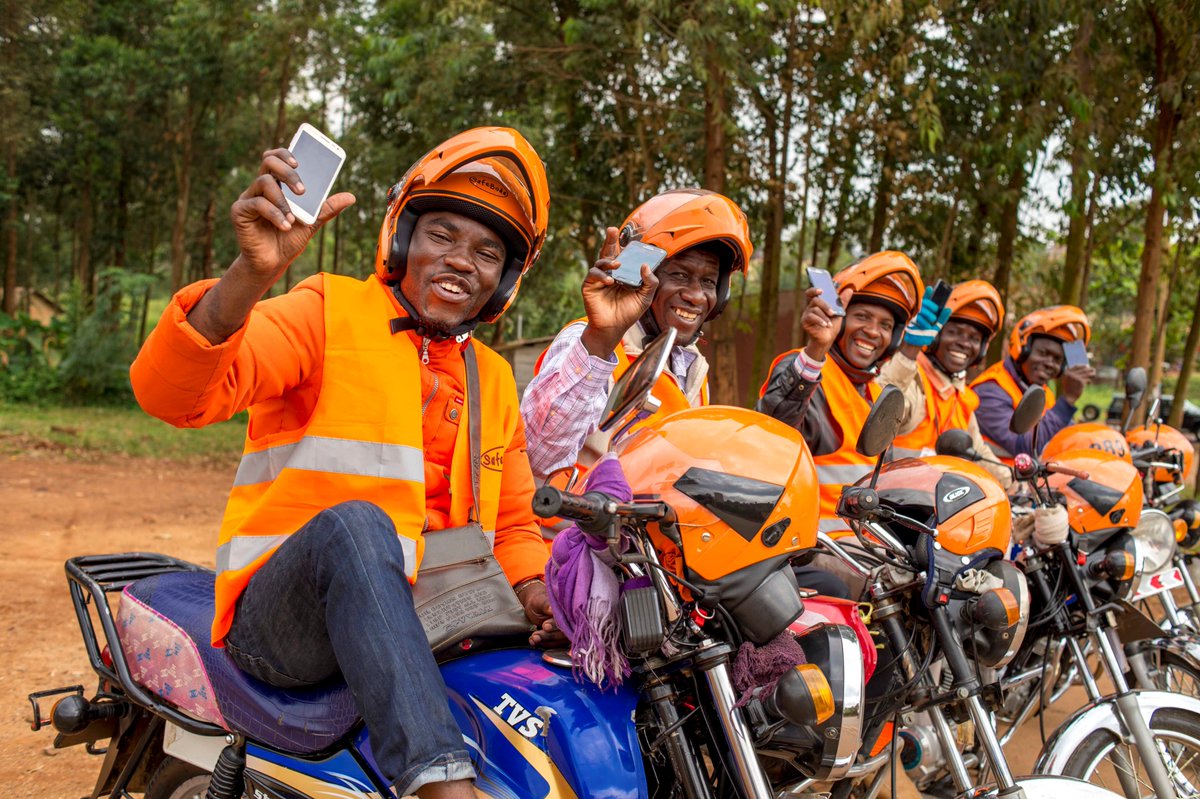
pixel 319 160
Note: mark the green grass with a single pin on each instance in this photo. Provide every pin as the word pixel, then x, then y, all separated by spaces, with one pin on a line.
pixel 88 432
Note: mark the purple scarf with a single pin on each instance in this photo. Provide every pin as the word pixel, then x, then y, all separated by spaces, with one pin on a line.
pixel 584 591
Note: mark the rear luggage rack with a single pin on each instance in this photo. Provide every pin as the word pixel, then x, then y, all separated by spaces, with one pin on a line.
pixel 91 579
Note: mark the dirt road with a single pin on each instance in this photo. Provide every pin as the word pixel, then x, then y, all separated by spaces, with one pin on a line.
pixel 55 508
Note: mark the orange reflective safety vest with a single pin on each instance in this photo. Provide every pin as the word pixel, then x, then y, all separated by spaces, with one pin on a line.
pixel 667 391
pixel 952 412
pixel 363 441
pixel 996 373
pixel 844 465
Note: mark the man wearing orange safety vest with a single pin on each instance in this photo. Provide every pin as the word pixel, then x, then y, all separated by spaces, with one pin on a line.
pixel 1034 358
pixel 825 390
pixel 931 367
pixel 359 439
pixel 706 240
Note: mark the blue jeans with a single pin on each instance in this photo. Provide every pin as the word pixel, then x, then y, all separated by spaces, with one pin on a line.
pixel 333 603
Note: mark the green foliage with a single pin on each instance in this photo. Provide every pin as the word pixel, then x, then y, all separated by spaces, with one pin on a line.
pixel 27 349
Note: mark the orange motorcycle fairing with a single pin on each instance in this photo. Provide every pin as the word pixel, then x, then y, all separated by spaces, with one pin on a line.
pixel 1109 496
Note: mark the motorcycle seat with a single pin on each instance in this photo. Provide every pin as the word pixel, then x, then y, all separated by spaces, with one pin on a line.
pixel 164 624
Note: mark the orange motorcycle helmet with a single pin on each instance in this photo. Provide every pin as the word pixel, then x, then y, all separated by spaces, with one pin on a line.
pixel 491 175
pixel 890 279
pixel 1063 322
pixel 1087 435
pixel 744 490
pixel 976 302
pixel 1170 439
pixel 967 506
pixel 1108 498
pixel 682 218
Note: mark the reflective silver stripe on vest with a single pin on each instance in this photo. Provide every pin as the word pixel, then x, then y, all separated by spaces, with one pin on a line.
pixel 901 452
pixel 240 551
pixel 831 525
pixel 845 473
pixel 336 456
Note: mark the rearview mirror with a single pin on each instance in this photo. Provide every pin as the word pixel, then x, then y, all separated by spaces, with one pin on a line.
pixel 882 424
pixel 1029 410
pixel 957 443
pixel 631 393
pixel 1135 389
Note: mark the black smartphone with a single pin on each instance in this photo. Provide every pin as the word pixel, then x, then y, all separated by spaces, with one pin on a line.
pixel 1075 353
pixel 821 279
pixel 629 263
pixel 941 293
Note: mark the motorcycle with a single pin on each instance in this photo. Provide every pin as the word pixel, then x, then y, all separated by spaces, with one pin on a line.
pixel 172 717
pixel 929 541
pixel 1081 586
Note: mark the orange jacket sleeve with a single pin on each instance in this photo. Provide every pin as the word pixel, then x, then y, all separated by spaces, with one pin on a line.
pixel 186 381
pixel 520 548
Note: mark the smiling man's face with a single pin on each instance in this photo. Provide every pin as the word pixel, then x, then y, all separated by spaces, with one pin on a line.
pixel 959 344
pixel 1045 361
pixel 687 292
pixel 866 333
pixel 454 267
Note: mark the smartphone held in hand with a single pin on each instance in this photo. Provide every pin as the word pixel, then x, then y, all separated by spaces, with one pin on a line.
pixel 628 270
pixel 821 279
pixel 319 159
pixel 941 293
pixel 1075 353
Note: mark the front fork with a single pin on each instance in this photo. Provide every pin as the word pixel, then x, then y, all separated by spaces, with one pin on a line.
pixel 1126 703
pixel 966 686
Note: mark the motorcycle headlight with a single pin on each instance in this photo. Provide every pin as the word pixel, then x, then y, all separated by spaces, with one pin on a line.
pixel 1154 541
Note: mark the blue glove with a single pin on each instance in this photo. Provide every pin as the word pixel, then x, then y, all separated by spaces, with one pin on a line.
pixel 925 326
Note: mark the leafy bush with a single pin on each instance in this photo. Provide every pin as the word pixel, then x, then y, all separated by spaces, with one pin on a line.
pixel 27 351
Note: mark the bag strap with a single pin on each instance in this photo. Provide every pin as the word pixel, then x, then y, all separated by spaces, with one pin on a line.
pixel 473 416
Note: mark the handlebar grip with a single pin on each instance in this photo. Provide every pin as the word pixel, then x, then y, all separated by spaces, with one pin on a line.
pixel 1055 468
pixel 586 510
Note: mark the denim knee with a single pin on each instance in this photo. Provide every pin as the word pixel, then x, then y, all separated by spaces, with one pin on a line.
pixel 360 527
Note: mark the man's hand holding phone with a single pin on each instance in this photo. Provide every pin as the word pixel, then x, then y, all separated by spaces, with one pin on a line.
pixel 823 314
pixel 269 238
pixel 930 318
pixel 1077 373
pixel 613 306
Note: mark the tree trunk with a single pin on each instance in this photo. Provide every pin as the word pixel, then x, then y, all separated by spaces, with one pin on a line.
pixel 1166 122
pixel 285 77
pixel 1089 246
pixel 84 272
pixel 1190 351
pixel 1006 247
pixel 817 222
pixel 723 371
pixel 1163 318
pixel 206 238
pixel 843 204
pixel 10 239
pixel 1072 284
pixel 883 190
pixel 183 182
pixel 798 298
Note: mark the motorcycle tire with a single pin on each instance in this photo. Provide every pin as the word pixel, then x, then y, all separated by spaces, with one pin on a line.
pixel 1178 730
pixel 1090 412
pixel 175 779
pixel 1176 675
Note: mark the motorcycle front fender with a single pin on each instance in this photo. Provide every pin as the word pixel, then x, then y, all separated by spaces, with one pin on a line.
pixel 1040 787
pixel 1103 715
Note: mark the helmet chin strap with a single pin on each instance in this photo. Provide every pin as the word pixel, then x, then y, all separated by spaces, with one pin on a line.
pixel 857 376
pixel 414 322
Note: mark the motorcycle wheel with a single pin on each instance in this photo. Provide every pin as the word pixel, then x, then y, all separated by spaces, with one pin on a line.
pixel 1174 674
pixel 175 779
pixel 1178 733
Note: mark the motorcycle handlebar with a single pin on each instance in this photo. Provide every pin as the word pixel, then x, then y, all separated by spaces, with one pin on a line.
pixel 1054 468
pixel 596 512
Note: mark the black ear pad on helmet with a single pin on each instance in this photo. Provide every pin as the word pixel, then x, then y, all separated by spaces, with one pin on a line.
pixel 397 257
